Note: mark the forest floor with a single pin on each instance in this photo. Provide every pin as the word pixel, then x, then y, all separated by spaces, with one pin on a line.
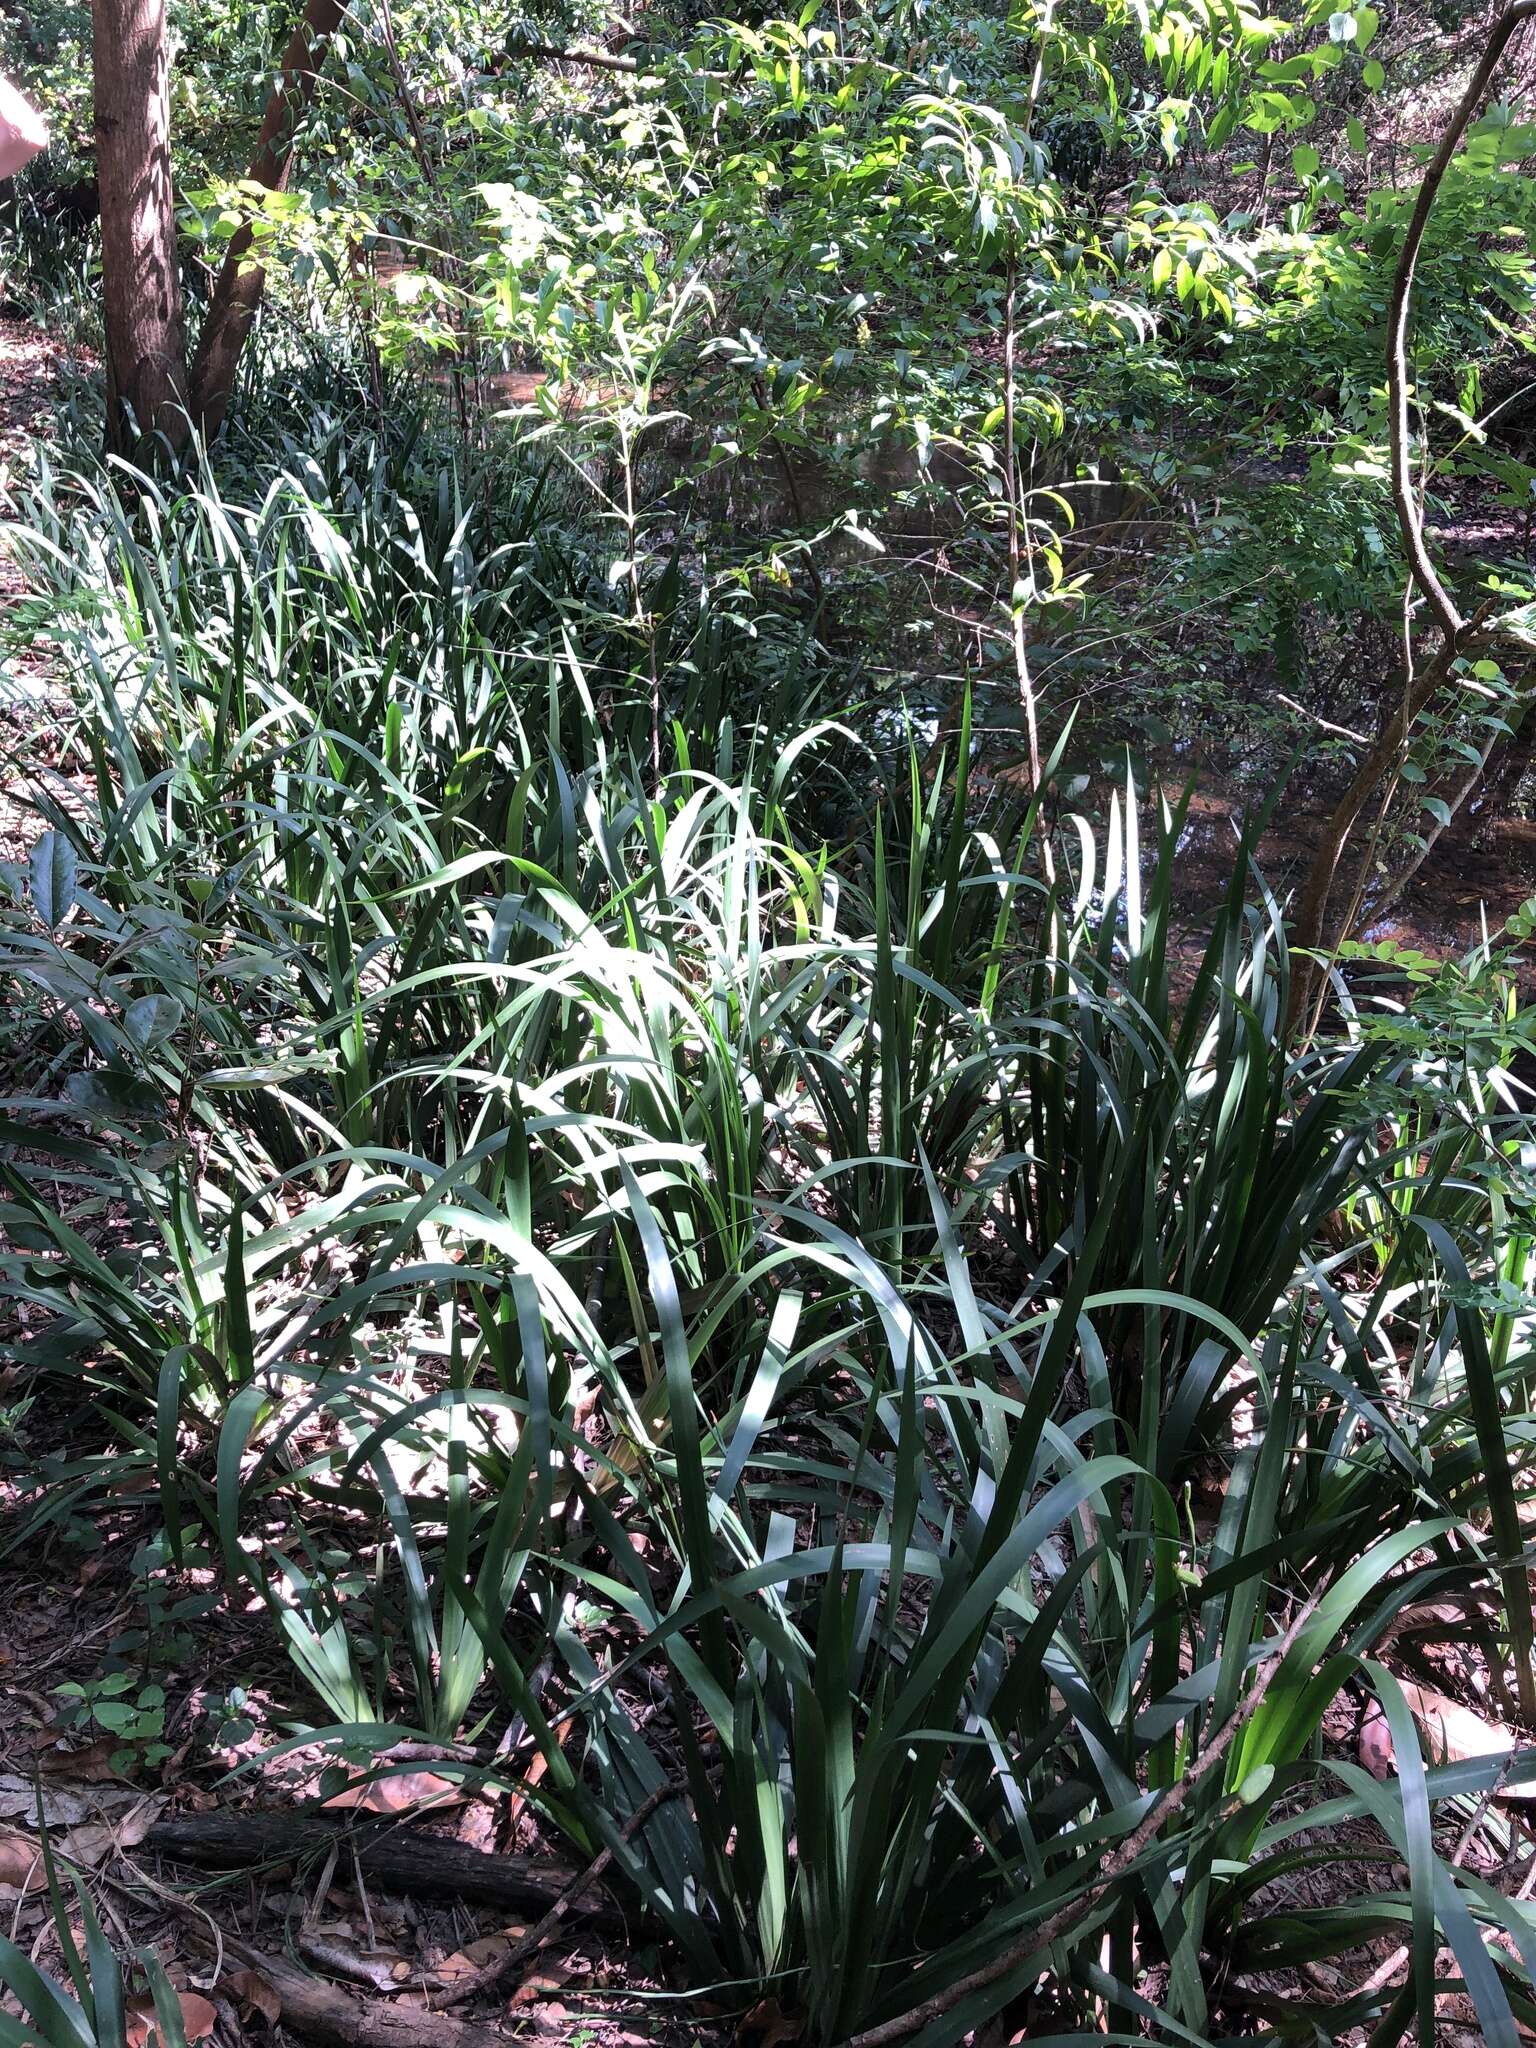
pixel 1460 889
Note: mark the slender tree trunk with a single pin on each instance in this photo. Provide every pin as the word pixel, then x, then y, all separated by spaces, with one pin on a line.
pixel 1490 799
pixel 1309 923
pixel 237 292
pixel 1458 636
pixel 141 285
pixel 1453 795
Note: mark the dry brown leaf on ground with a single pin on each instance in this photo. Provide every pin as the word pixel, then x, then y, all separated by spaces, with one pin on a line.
pixel 768 2025
pixel 476 1956
pixel 198 2019
pixel 1452 1734
pixel 64 1806
pixel 531 1777
pixel 405 1792
pixel 542 1984
pixel 91 1843
pixel 89 1766
pixel 137 1822
pixel 255 1995
pixel 1376 1745
pixel 21 1864
pixel 479 1825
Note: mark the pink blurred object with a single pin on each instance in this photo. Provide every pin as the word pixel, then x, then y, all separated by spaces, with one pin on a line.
pixel 23 131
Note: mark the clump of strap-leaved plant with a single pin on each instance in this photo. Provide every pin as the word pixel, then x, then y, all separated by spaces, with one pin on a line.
pixel 914 1395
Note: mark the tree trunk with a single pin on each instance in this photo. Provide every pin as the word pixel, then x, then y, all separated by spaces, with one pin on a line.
pixel 141 285
pixel 1310 926
pixel 237 293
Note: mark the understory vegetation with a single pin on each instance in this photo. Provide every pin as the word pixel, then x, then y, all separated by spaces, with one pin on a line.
pixel 633 1161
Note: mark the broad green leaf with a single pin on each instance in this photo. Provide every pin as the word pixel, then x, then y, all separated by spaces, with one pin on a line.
pixel 150 1020
pixel 54 869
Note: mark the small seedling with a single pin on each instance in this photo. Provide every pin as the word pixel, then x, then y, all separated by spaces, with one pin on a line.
pixel 110 1704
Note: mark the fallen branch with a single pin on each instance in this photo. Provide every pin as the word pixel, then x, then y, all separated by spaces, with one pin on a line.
pixel 496 1974
pixel 324 2012
pixel 399 1859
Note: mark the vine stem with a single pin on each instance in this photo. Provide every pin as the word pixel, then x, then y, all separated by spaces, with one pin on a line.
pixel 1458 635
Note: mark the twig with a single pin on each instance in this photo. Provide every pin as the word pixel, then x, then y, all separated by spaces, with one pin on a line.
pixel 1361 739
pixel 551 53
pixel 1038 1939
pixel 497 1973
pixel 1386 1972
pixel 362 1893
pixel 322 1890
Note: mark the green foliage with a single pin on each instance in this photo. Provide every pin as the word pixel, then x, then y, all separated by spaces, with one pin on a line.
pixel 114 1705
pixel 677 1259
pixel 654 1199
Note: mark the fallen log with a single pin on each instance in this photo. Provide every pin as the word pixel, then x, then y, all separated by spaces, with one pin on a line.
pixel 324 2012
pixel 396 1858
